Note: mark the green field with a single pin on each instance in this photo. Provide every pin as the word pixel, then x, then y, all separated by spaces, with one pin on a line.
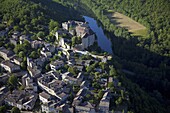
pixel 121 20
pixel 141 32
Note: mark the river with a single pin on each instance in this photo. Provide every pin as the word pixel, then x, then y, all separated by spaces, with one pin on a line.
pixel 103 41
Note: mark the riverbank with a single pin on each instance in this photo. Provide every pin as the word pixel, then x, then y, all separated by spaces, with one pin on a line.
pixel 103 41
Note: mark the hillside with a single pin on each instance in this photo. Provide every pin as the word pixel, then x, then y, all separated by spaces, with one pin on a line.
pixel 152 14
pixel 32 16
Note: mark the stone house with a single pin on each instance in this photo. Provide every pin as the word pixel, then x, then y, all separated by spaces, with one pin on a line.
pixel 9 66
pixel 5 54
pixel 21 99
pixel 56 64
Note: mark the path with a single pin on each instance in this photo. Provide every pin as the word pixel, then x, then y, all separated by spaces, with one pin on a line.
pixel 86 53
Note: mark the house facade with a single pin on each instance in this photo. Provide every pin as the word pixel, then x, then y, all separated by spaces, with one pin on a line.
pixel 79 29
pixel 5 54
pixel 21 99
pixel 16 60
pixel 9 66
pixel 56 64
pixel 44 97
pixel 53 86
pixel 105 103
pixel 49 107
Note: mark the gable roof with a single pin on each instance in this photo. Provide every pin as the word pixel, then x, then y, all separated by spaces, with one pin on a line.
pixel 45 95
pixel 4 50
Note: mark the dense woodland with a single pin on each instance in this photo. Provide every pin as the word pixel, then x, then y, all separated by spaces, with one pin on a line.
pixel 32 16
pixel 147 57
pixel 153 14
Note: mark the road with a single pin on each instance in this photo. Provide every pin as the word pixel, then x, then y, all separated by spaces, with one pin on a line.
pixel 86 53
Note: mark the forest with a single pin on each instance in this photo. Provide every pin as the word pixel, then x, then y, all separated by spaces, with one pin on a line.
pixel 32 16
pixel 148 57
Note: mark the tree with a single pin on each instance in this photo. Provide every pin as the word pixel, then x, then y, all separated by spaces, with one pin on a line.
pixel 72 70
pixel 91 67
pixel 40 34
pixel 34 37
pixel 34 21
pixel 76 40
pixel 24 65
pixel 118 101
pixel 25 47
pixel 33 54
pixel 112 71
pixel 2 26
pixel 88 96
pixel 13 81
pixel 122 93
pixel 15 110
pixel 16 28
pixel 47 67
pixel 2 109
pixel 66 66
pixel 21 54
pixel 102 65
pixel 60 53
pixel 110 85
pixel 88 69
pixel 119 84
pixel 96 74
pixel 73 40
pixel 76 88
pixel 17 48
pixel 79 40
pixel 53 24
pixel 100 94
pixel 9 46
pixel 96 85
pixel 55 57
pixel 27 27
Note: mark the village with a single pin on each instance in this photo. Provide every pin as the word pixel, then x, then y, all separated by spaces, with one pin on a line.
pixel 64 77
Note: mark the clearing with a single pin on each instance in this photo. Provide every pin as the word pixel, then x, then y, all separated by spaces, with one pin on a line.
pixel 121 20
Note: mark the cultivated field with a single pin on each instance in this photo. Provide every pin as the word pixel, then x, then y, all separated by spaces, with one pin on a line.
pixel 121 20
